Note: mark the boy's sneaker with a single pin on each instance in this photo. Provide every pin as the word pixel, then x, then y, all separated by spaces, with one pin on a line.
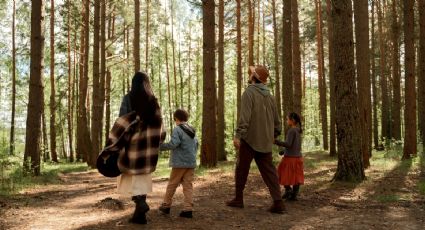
pixel 186 214
pixel 164 209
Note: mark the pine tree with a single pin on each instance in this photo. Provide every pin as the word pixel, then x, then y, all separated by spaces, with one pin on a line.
pixel 350 164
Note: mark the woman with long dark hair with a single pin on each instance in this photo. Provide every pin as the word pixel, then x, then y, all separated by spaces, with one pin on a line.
pixel 141 152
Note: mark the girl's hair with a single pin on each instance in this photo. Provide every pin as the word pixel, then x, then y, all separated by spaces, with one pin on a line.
pixel 142 99
pixel 295 117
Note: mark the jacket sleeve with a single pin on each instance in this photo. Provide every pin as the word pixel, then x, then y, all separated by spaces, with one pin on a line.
pixel 277 122
pixel 174 142
pixel 245 116
pixel 125 107
pixel 289 142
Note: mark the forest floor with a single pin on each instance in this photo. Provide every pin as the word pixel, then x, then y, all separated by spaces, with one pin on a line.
pixel 392 197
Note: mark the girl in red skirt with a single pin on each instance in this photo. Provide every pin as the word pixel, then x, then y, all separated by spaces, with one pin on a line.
pixel 291 167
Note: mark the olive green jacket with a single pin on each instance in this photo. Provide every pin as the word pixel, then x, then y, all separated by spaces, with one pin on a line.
pixel 259 121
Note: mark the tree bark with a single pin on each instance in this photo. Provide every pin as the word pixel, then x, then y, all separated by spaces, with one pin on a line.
pixel 374 84
pixel 350 164
pixel 220 104
pixel 95 105
pixel 296 59
pixel 421 74
pixel 35 99
pixel 52 104
pixel 168 74
pixel 45 147
pixel 410 142
pixel 239 58
pixel 363 75
pixel 101 105
pixel 148 4
pixel 12 120
pixel 321 75
pixel 136 38
pixel 208 147
pixel 276 60
pixel 84 145
pixel 251 32
pixel 70 86
pixel 331 40
pixel 396 101
pixel 385 111
pixel 173 44
pixel 287 80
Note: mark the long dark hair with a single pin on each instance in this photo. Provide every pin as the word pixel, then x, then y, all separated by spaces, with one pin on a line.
pixel 295 117
pixel 142 99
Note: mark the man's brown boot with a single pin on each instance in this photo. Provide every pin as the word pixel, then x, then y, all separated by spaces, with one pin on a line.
pixel 277 207
pixel 236 203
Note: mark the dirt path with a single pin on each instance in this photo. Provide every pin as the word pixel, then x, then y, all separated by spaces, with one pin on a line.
pixel 73 204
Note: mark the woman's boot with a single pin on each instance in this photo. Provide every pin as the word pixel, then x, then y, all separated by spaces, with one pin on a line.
pixel 295 190
pixel 288 192
pixel 139 215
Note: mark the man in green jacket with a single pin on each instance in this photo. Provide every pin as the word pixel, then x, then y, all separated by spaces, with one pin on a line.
pixel 258 126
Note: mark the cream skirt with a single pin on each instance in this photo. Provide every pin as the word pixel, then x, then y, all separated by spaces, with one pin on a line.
pixel 134 185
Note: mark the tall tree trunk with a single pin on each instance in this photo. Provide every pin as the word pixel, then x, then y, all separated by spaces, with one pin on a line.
pixel 220 105
pixel 332 129
pixel 136 38
pixel 374 84
pixel 173 44
pixel 148 4
pixel 208 147
pixel 111 33
pixel 70 86
pixel 296 71
pixel 421 74
pixel 385 111
pixel 410 142
pixel 95 106
pixel 363 74
pixel 239 58
pixel 180 73
pixel 287 81
pixel 189 72
pixel 251 32
pixel 12 120
pixel 101 105
pixel 35 99
pixel 396 101
pixel 52 84
pixel 45 147
pixel 258 32
pixel 276 59
pixel 84 145
pixel 168 74
pixel 350 164
pixel 321 75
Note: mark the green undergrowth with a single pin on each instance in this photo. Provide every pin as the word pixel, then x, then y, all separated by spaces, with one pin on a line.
pixel 13 178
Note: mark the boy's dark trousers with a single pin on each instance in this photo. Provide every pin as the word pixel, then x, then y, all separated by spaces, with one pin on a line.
pixel 264 162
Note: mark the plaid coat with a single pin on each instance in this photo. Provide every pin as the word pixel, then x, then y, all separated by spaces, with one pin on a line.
pixel 136 142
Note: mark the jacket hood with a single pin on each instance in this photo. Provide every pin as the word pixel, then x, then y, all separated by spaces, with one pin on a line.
pixel 189 130
pixel 261 88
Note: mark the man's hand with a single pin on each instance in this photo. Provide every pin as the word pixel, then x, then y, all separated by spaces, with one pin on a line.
pixel 237 143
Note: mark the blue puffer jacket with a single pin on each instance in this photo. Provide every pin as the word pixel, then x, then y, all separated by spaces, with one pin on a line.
pixel 183 148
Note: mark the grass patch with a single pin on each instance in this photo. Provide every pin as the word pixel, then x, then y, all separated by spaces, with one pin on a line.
pixel 421 187
pixel 13 179
pixel 388 198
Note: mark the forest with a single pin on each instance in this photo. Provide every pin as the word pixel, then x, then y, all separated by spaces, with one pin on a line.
pixel 353 70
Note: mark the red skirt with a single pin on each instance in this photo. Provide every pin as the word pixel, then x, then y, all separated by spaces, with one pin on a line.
pixel 291 171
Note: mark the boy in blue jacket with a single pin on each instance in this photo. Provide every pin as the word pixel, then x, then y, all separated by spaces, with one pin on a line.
pixel 183 146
